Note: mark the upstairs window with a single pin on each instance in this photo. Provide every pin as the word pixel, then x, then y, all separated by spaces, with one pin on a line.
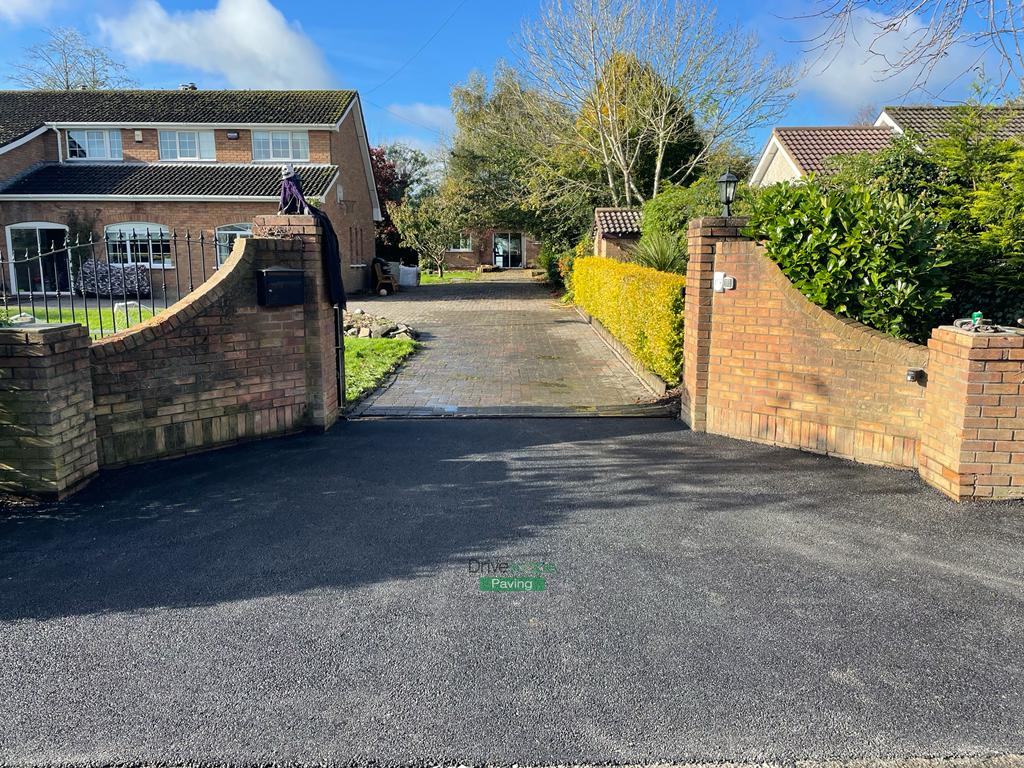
pixel 94 145
pixel 187 145
pixel 280 145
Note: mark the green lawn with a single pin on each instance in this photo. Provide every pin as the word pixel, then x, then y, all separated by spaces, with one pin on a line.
pixel 368 361
pixel 91 317
pixel 429 278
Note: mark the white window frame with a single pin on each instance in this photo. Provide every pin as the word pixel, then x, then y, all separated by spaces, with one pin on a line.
pixel 197 136
pixel 136 235
pixel 292 156
pixel 107 144
pixel 224 246
pixel 36 225
pixel 465 245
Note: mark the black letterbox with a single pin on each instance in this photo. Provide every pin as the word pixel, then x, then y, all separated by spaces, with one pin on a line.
pixel 280 287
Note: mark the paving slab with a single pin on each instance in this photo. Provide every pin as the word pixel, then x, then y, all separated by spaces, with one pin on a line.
pixel 502 340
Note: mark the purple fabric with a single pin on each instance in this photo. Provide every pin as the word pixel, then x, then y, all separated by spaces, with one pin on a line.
pixel 293 201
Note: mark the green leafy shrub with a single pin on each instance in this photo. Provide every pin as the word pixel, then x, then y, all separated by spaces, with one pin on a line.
pixel 663 251
pixel 970 184
pixel 998 206
pixel 865 254
pixel 547 260
pixel 641 307
pixel 674 206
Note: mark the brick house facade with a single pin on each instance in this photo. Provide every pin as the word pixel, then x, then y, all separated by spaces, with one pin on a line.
pixel 181 161
pixel 491 246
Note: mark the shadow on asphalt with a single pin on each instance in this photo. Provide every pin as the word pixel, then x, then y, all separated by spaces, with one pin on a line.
pixel 307 601
pixel 392 500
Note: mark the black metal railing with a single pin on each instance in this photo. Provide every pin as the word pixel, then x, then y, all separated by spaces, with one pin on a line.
pixel 107 284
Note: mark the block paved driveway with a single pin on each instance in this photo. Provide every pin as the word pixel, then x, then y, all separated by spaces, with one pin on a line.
pixel 500 344
pixel 309 601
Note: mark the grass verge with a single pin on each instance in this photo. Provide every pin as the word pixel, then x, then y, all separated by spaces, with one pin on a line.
pixel 368 361
pixel 428 278
pixel 94 318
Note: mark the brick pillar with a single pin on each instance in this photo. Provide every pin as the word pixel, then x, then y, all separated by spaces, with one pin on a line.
pixel 321 360
pixel 47 429
pixel 972 442
pixel 701 238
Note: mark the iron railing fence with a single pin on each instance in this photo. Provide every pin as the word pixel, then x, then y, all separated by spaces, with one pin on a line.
pixel 107 284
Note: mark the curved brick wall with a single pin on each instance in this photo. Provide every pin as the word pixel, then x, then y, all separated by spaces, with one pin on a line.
pixel 783 371
pixel 215 368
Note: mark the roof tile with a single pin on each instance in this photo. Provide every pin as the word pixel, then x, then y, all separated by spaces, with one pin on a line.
pixel 929 122
pixel 23 111
pixel 163 180
pixel 812 148
pixel 618 222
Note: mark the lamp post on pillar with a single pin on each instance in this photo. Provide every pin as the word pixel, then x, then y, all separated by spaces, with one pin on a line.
pixel 727 191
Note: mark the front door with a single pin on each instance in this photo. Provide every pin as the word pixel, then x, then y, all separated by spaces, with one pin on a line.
pixel 29 272
pixel 508 250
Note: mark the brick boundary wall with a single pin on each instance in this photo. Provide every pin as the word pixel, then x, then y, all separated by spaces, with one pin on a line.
pixel 216 368
pixel 213 369
pixel 47 430
pixel 763 363
pixel 972 444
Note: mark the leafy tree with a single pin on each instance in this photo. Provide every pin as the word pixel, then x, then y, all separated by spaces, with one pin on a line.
pixel 67 61
pixel 402 175
pixel 614 81
pixel 504 174
pixel 900 168
pixel 974 160
pixel 429 226
pixel 624 93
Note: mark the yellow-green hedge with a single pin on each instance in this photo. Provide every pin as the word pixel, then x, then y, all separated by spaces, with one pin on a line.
pixel 641 307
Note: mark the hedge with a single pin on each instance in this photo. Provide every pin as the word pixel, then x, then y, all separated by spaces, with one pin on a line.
pixel 641 307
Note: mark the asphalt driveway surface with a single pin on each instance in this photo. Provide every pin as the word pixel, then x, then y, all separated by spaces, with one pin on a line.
pixel 309 600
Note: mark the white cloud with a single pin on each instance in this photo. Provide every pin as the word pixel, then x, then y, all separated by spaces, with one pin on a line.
pixel 247 42
pixel 859 73
pixel 430 116
pixel 15 11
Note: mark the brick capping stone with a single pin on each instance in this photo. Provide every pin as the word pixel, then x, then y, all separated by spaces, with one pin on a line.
pixel 47 429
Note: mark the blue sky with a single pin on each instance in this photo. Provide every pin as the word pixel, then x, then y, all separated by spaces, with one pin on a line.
pixel 402 55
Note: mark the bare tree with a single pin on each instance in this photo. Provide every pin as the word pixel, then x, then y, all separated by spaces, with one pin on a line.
pixel 865 115
pixel 66 61
pixel 616 78
pixel 917 35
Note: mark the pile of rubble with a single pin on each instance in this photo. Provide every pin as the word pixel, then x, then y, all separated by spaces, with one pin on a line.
pixel 361 325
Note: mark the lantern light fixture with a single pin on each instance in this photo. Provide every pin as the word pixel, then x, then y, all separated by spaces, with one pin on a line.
pixel 727 191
